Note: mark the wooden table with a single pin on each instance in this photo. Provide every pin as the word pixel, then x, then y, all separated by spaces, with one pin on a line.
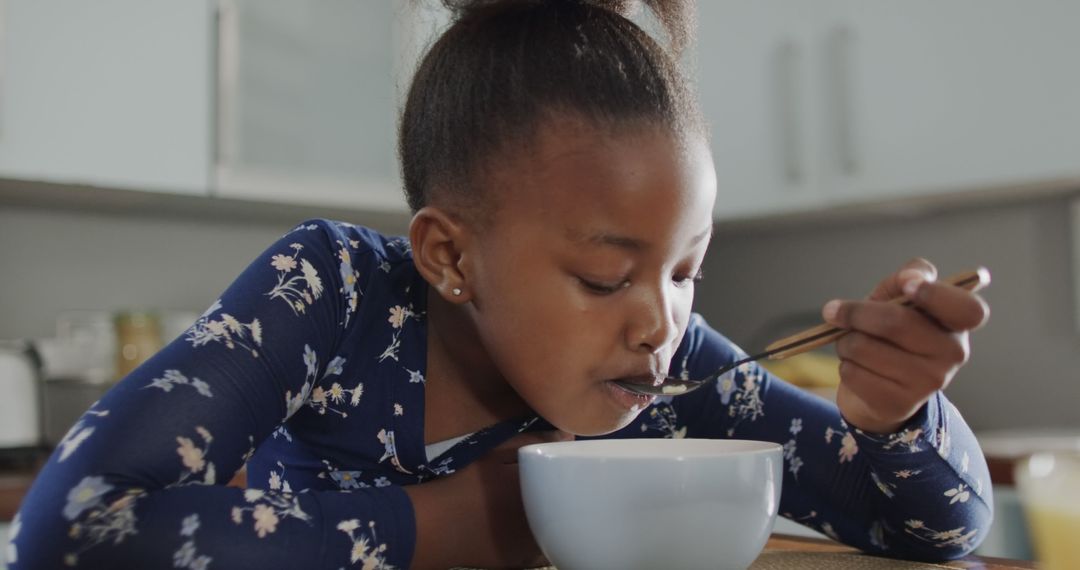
pixel 786 551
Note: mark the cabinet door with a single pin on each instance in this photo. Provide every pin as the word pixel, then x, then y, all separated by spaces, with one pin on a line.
pixel 927 96
pixel 307 107
pixel 757 82
pixel 110 93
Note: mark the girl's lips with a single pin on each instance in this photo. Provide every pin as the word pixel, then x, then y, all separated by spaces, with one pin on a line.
pixel 627 399
pixel 647 379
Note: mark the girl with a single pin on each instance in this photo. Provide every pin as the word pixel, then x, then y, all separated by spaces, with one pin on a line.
pixel 377 388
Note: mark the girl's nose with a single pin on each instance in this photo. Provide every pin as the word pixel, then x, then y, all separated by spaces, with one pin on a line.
pixel 652 325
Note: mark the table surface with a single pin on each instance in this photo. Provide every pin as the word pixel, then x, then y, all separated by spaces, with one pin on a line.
pixel 787 551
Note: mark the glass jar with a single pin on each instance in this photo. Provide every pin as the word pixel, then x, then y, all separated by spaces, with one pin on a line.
pixel 138 337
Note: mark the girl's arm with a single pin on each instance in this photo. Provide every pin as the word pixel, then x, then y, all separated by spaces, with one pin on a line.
pixel 922 492
pixel 139 481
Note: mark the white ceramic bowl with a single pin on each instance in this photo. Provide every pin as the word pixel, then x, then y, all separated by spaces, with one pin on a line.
pixel 651 503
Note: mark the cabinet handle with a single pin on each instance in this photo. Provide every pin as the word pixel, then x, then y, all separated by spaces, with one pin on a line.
pixel 787 97
pixel 226 74
pixel 839 47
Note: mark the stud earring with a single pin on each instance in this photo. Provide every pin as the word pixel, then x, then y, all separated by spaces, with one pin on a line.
pixel 456 291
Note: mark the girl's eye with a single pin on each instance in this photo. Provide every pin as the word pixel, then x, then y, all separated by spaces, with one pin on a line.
pixel 603 288
pixel 684 280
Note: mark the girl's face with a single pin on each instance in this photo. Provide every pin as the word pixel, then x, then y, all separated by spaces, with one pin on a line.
pixel 586 271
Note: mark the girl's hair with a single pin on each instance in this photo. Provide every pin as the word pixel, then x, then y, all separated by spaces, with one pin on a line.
pixel 504 65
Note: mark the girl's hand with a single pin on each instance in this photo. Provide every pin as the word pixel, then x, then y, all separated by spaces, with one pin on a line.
pixel 475 517
pixel 897 357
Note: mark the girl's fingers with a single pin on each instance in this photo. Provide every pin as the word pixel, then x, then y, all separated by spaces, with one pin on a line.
pixel 893 286
pixel 954 308
pixel 922 375
pixel 902 326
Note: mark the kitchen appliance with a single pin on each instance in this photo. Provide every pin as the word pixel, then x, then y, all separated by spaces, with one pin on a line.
pixel 20 398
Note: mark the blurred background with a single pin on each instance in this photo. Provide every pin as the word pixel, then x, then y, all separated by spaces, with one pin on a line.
pixel 150 150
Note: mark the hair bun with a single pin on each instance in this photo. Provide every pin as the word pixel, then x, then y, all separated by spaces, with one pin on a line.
pixel 625 8
pixel 676 16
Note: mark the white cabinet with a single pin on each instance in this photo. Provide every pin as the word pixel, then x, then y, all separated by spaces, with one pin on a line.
pixel 308 101
pixel 837 102
pixel 935 96
pixel 753 77
pixel 110 93
pixel 269 100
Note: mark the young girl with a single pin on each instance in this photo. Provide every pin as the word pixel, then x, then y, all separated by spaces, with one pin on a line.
pixel 377 388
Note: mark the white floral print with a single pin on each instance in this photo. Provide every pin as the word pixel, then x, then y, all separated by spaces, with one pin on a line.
pixel 193 457
pixel 958 494
pixel 954 537
pixel 848 448
pixel 267 510
pixel 173 378
pixel 277 480
pixel 293 403
pixel 662 418
pixel 226 330
pixel 944 442
pixel 386 437
pixel 877 535
pixel 12 553
pixel 325 399
pixel 364 550
pixel 885 487
pixel 94 521
pixel 187 556
pixel 79 433
pixel 298 291
pixel 908 438
pixel 349 278
pixel 794 462
pixel 399 315
pixel 746 403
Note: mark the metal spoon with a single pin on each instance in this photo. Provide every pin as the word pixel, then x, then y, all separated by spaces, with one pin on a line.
pixel 797 343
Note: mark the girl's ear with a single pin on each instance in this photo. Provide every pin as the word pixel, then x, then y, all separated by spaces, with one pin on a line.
pixel 438 241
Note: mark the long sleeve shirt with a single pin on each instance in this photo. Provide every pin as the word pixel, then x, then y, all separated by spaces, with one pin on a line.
pixel 310 370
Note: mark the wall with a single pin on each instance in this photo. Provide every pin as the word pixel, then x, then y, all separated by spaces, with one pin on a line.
pixel 1025 365
pixel 163 254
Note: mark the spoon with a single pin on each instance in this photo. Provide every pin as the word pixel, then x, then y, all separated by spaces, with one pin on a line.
pixel 797 343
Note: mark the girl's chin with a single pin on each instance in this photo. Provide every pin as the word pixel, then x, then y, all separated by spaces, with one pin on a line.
pixel 591 427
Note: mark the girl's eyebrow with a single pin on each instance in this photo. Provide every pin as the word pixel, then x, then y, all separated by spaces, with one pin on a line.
pixel 600 238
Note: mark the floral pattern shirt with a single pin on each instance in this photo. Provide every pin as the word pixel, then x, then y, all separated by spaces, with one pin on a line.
pixel 310 371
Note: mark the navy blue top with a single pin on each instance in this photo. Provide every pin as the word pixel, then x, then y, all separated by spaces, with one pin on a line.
pixel 310 369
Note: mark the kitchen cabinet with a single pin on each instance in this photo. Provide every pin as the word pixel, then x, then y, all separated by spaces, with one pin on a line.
pixel 752 74
pixel 109 93
pixel 848 101
pixel 308 101
pixel 267 100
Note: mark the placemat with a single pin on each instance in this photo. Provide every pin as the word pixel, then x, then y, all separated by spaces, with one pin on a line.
pixel 788 560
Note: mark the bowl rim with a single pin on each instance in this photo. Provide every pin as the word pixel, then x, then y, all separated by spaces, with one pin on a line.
pixel 587 449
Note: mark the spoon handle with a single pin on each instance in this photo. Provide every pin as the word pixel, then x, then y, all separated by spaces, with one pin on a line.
pixel 823 334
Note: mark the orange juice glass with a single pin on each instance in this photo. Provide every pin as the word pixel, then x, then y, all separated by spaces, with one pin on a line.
pixel 1049 486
